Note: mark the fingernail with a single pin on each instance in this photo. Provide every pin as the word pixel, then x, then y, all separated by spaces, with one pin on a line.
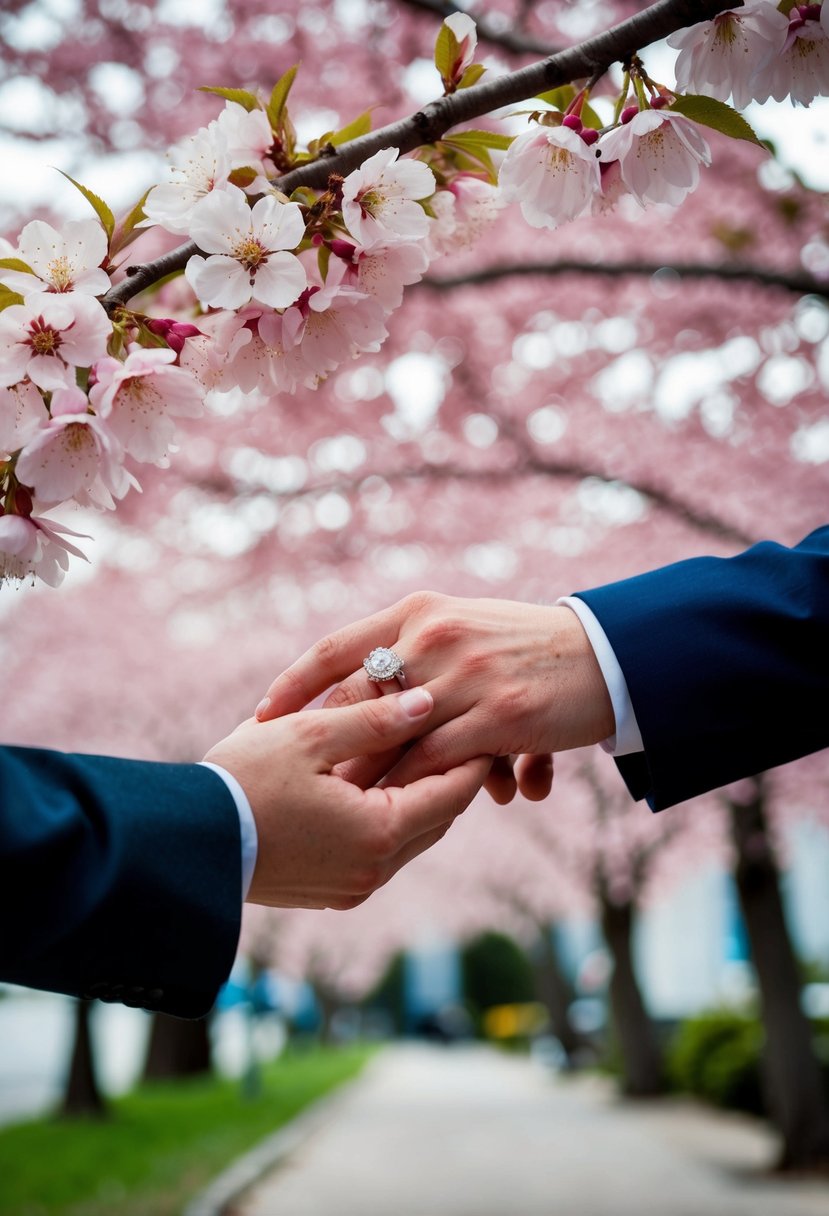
pixel 416 702
pixel 262 706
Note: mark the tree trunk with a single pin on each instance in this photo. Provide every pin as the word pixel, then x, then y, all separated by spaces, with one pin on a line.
pixel 642 1066
pixel 797 1099
pixel 83 1095
pixel 555 992
pixel 177 1048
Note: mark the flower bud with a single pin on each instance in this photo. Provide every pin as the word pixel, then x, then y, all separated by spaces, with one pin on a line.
pixel 589 135
pixel 572 121
pixel 628 114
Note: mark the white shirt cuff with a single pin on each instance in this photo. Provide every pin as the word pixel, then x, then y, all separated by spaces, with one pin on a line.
pixel 247 824
pixel 628 738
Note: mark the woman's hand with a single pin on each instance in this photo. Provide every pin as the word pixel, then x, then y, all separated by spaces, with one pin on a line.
pixel 508 679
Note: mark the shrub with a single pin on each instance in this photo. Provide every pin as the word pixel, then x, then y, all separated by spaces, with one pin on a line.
pixel 718 1057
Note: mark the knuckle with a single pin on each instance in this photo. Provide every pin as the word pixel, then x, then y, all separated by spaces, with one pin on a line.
pixel 419 602
pixel 312 730
pixel 325 651
pixel 432 750
pixel 442 631
pixel 344 694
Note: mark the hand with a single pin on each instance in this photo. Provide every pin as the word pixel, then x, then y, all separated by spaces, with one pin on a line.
pixel 323 842
pixel 507 678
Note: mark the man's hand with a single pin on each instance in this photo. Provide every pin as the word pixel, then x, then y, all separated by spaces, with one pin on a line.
pixel 508 678
pixel 323 842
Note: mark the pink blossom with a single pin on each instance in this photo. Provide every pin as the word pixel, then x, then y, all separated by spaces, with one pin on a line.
pixel 69 260
pixel 22 410
pixel 724 56
pixel 801 71
pixel 48 336
pixel 380 199
pixel 35 546
pixel 383 272
pixel 70 451
pixel 659 153
pixel 552 173
pixel 138 397
pixel 247 244
pixel 463 211
pixel 201 164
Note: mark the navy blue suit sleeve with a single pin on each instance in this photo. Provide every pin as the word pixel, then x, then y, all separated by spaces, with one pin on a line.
pixel 120 879
pixel 727 665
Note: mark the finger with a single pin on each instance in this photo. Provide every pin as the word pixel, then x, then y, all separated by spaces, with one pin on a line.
pixel 427 804
pixel 442 748
pixel 364 771
pixel 329 661
pixel 367 729
pixel 535 776
pixel 501 784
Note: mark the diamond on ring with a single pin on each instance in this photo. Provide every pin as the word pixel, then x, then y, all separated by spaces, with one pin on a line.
pixel 384 664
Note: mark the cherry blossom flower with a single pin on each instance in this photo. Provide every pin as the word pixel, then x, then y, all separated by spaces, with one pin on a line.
pixel 70 451
pixel 659 155
pixel 248 138
pixel 380 204
pixel 138 397
pixel 22 410
pixel 201 165
pixel 724 56
pixel 32 546
pixel 328 325
pixel 463 211
pixel 801 71
pixel 247 245
pixel 48 336
pixel 64 261
pixel 552 173
pixel 383 272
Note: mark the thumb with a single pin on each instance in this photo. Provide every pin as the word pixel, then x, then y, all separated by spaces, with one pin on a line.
pixel 371 727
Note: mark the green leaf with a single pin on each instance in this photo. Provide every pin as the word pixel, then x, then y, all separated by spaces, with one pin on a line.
pixel 100 208
pixel 590 118
pixel 15 264
pixel 279 97
pixel 716 114
pixel 472 75
pixel 8 297
pixel 447 51
pixel 474 140
pixel 248 101
pixel 126 232
pixel 559 98
pixel 360 126
pixel 786 6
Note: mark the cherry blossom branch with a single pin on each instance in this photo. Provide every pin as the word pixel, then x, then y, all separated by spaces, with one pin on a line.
pixel 429 124
pixel 799 283
pixel 508 40
pixel 702 521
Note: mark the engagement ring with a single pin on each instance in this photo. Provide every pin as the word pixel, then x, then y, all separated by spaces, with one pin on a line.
pixel 383 664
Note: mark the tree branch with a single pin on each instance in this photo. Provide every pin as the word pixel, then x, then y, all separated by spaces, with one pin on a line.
pixel 796 282
pixel 702 521
pixel 434 120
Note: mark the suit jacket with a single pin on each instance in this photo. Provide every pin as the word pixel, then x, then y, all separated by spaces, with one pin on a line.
pixel 119 879
pixel 727 665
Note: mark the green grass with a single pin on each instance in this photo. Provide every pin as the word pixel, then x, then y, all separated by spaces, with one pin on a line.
pixel 161 1144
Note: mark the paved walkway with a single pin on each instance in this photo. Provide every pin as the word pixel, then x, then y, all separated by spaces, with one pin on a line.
pixel 471 1132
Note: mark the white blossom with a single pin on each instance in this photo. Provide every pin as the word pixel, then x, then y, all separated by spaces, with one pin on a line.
pixel 380 204
pixel 65 261
pixel 552 173
pixel 248 262
pixel 659 154
pixel 200 165
pixel 726 55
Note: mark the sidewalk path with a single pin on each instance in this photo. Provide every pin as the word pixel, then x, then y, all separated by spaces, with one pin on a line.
pixel 431 1131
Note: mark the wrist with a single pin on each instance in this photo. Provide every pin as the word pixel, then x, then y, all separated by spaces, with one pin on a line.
pixel 582 707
